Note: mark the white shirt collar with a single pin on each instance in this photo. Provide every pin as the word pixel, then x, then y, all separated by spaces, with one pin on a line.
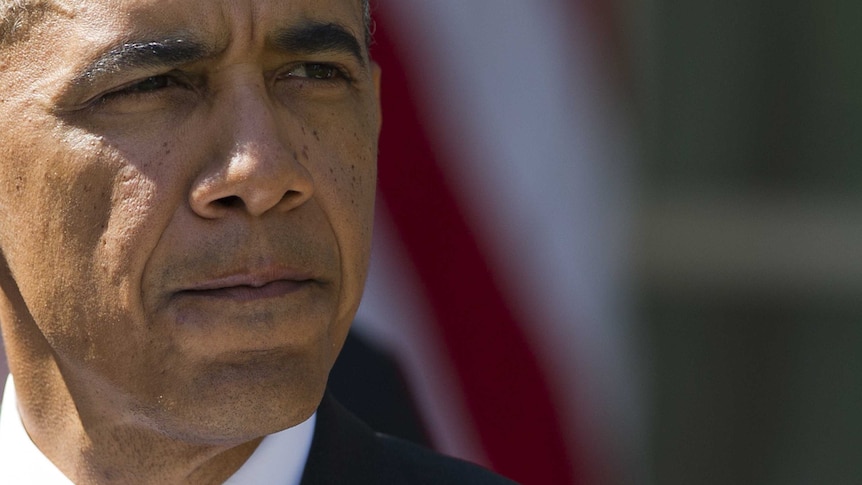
pixel 20 460
pixel 278 460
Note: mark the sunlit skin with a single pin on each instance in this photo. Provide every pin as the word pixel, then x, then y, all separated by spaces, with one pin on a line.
pixel 184 242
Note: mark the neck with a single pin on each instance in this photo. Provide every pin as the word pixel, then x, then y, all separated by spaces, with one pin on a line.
pixel 83 436
pixel 91 444
pixel 113 451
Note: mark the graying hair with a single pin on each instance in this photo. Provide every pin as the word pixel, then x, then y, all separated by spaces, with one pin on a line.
pixel 18 16
pixel 367 20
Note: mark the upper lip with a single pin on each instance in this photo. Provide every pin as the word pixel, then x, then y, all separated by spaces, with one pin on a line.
pixel 254 278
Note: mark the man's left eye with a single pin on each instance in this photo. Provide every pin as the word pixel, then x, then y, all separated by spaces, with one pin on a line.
pixel 316 71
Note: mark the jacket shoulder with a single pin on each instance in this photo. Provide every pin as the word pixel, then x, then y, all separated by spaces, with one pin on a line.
pixel 345 451
pixel 410 463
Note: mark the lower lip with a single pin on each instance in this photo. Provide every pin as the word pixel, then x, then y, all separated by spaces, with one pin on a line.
pixel 273 289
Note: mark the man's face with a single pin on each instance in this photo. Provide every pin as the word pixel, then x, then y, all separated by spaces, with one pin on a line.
pixel 186 198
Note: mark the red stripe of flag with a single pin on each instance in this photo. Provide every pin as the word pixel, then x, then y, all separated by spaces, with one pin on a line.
pixel 504 388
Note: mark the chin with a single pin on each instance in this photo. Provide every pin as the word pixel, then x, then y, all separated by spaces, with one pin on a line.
pixel 234 404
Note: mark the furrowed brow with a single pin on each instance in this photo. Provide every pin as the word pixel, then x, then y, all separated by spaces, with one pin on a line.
pixel 133 56
pixel 316 37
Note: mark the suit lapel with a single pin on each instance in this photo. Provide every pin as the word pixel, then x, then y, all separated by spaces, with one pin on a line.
pixel 343 450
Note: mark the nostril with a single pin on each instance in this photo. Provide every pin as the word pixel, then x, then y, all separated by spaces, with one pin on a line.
pixel 229 202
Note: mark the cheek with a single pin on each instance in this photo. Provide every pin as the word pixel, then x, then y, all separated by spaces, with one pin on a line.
pixel 82 226
pixel 349 182
pixel 343 161
pixel 352 186
pixel 61 205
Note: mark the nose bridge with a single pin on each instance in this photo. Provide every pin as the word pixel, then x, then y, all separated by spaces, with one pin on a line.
pixel 255 168
pixel 253 125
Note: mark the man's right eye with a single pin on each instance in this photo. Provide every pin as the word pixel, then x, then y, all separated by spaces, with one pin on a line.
pixel 150 84
pixel 153 93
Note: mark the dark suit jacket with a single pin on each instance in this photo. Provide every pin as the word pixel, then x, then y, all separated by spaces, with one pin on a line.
pixel 345 451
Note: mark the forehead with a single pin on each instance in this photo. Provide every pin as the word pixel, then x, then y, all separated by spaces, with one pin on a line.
pixel 228 21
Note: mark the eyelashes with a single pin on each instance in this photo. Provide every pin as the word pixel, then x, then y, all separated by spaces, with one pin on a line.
pixel 173 89
pixel 148 85
pixel 316 72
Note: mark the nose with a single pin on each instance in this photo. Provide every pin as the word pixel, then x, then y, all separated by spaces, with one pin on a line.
pixel 255 169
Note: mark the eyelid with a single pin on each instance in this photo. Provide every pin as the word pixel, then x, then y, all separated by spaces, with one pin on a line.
pixel 343 73
pixel 180 80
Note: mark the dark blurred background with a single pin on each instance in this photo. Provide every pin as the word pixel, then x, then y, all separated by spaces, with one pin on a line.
pixel 749 233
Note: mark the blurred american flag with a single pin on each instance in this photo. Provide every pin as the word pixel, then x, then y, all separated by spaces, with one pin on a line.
pixel 499 274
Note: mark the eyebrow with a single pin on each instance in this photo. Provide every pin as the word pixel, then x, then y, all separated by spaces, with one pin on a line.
pixel 171 51
pixel 307 38
pixel 312 37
